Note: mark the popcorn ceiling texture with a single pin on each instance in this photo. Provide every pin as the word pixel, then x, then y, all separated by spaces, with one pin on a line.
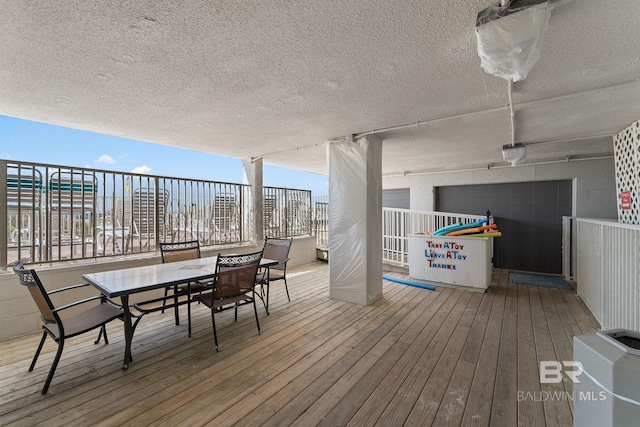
pixel 278 79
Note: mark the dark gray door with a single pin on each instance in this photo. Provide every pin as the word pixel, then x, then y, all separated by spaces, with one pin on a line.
pixel 529 215
pixel 396 198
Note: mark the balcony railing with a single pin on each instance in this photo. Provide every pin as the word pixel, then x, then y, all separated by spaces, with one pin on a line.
pixel 321 221
pixel 287 212
pixel 58 213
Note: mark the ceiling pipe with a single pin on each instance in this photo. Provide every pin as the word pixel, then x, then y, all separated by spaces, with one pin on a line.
pixel 489 166
pixel 513 153
pixel 511 114
pixel 494 109
pixel 428 121
pixel 577 138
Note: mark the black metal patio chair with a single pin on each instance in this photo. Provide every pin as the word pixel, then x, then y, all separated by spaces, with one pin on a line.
pixel 58 328
pixel 234 285
pixel 276 249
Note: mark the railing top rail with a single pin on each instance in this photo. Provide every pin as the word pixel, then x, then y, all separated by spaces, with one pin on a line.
pixel 65 168
pixel 286 188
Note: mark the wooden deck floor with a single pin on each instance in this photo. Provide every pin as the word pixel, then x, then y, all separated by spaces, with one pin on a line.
pixel 447 357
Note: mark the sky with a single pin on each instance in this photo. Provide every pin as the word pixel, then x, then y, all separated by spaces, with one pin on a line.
pixel 24 140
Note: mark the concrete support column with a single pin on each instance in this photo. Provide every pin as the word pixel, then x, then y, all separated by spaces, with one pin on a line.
pixel 4 232
pixel 253 228
pixel 355 218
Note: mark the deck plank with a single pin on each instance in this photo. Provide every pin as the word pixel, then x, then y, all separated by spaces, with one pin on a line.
pixel 374 406
pixel 442 327
pixel 556 409
pixel 408 331
pixel 319 397
pixel 504 411
pixel 586 320
pixel 478 408
pixel 433 392
pixel 530 411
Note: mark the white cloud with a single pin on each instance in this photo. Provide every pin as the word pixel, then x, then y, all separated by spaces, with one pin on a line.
pixel 105 158
pixel 144 169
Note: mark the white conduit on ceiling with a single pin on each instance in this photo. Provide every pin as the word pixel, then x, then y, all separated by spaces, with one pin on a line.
pixel 479 168
pixel 496 109
pixel 511 115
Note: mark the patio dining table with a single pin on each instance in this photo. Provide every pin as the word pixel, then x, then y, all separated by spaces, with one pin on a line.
pixel 129 281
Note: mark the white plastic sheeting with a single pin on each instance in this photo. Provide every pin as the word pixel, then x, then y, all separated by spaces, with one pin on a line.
pixel 509 38
pixel 355 234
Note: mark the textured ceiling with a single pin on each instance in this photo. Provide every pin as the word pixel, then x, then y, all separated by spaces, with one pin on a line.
pixel 279 79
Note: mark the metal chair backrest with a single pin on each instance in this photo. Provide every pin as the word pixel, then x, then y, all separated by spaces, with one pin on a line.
pixel 236 274
pixel 278 249
pixel 30 279
pixel 179 251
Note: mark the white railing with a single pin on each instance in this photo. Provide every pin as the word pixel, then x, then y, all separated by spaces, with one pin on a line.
pixel 608 268
pixel 569 247
pixel 397 224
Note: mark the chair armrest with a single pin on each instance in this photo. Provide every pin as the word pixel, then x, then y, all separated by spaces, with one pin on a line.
pixel 81 285
pixel 149 306
pixel 73 304
pixel 264 269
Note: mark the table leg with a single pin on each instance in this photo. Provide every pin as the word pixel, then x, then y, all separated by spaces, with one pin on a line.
pixel 128 332
pixel 268 286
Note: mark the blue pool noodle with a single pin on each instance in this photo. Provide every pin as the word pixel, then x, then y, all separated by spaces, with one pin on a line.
pixel 447 229
pixel 459 226
pixel 406 282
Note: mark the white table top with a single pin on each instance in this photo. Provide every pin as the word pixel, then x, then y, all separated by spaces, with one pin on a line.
pixel 115 283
